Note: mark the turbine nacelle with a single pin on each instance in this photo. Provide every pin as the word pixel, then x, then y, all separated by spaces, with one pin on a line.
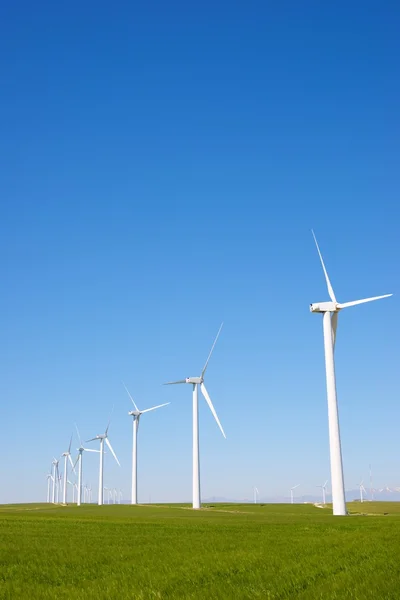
pixel 194 380
pixel 323 307
pixel 134 413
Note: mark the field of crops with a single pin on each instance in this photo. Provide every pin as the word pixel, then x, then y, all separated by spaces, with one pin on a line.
pixel 225 551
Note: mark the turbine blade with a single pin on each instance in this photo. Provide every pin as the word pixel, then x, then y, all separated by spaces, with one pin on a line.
pixel 76 462
pixel 210 404
pixel 109 420
pixel 347 304
pixel 79 435
pixel 91 450
pixel 175 382
pixel 127 391
pixel 334 323
pixel 92 440
pixel 211 351
pixel 112 451
pixel 72 464
pixel 328 283
pixel 70 442
pixel 154 407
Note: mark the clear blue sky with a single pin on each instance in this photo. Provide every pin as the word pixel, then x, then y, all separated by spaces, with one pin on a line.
pixel 162 165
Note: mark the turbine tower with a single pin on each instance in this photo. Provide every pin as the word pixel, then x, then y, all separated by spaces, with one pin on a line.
pixel 136 414
pixel 196 382
pixel 103 438
pixel 330 311
pixel 67 456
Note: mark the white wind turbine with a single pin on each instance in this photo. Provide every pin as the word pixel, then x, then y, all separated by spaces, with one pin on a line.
pixel 55 479
pixel 330 311
pixel 103 438
pixel 136 414
pixel 323 488
pixel 196 382
pixel 59 488
pixel 362 489
pixel 291 493
pixel 256 493
pixel 78 461
pixel 49 480
pixel 67 456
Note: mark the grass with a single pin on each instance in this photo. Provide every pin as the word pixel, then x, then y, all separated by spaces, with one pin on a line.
pixel 225 551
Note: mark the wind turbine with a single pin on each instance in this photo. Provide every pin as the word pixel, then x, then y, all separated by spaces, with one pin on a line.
pixel 81 449
pixel 136 414
pixel 256 492
pixel 58 490
pixel 49 480
pixel 362 489
pixel 323 488
pixel 330 311
pixel 67 456
pixel 371 489
pixel 103 438
pixel 291 493
pixel 196 382
pixel 55 479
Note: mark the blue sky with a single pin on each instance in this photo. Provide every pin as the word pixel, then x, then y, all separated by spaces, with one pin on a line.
pixel 162 167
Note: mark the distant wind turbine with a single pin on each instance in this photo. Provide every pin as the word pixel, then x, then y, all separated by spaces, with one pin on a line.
pixel 196 382
pixel 59 488
pixel 67 456
pixel 78 461
pixel 55 480
pixel 103 438
pixel 136 414
pixel 256 493
pixel 49 480
pixel 362 489
pixel 291 493
pixel 330 311
pixel 323 488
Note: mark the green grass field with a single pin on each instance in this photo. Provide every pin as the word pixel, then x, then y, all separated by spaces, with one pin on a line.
pixel 225 551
